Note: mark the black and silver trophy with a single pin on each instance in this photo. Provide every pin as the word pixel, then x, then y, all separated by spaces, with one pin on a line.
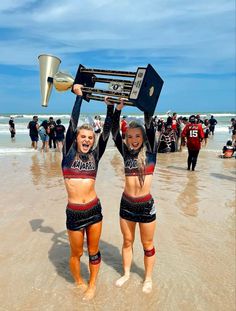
pixel 140 89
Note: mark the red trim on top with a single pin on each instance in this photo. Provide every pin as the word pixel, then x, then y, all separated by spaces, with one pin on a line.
pixel 69 173
pixel 77 177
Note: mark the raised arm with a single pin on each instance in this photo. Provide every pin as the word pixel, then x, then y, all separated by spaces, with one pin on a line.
pixel 116 127
pixel 103 138
pixel 71 131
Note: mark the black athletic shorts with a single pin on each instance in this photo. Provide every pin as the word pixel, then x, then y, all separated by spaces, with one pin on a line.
pixel 79 216
pixel 137 209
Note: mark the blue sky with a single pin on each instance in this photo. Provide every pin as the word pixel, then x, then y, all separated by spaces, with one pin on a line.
pixel 191 44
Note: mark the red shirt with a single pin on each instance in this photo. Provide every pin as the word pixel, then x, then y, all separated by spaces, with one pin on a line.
pixel 194 134
pixel 123 126
pixel 174 124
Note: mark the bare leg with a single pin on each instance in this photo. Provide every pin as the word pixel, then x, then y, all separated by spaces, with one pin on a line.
pixel 43 145
pixel 46 146
pixel 61 146
pixel 147 233
pixel 58 144
pixel 76 239
pixel 93 236
pixel 128 231
pixel 34 144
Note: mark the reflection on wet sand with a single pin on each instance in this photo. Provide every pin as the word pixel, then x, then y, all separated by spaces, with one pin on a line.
pixel 117 164
pixel 45 167
pixel 188 199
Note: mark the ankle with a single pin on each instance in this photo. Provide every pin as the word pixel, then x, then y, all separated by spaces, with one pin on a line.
pixel 127 273
pixel 91 284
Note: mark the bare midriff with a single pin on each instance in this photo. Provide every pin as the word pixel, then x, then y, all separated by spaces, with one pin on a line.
pixel 133 187
pixel 80 190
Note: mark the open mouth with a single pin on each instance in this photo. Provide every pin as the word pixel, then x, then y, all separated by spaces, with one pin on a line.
pixel 135 145
pixel 85 146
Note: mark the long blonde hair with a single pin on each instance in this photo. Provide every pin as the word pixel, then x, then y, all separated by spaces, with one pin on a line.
pixel 142 152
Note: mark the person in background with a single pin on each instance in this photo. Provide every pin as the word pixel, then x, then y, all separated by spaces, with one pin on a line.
pixel 160 126
pixel 12 128
pixel 167 140
pixel 174 122
pixel 139 151
pixel 232 129
pixel 123 126
pixel 97 125
pixel 59 134
pixel 155 122
pixel 212 122
pixel 51 134
pixel 169 119
pixel 228 150
pixel 198 119
pixel 33 127
pixel 83 212
pixel 182 126
pixel 206 130
pixel 44 131
pixel 194 134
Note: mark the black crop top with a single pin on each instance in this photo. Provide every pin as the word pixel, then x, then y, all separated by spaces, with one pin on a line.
pixel 130 157
pixel 83 165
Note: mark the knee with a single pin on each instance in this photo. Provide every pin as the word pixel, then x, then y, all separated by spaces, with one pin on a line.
pixel 93 250
pixel 76 254
pixel 147 244
pixel 127 243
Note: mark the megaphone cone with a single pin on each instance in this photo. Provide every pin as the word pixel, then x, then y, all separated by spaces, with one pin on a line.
pixel 48 68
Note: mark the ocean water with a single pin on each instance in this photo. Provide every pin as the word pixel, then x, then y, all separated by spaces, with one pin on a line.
pixel 22 142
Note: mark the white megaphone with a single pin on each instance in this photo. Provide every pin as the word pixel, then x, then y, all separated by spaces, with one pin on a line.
pixel 50 76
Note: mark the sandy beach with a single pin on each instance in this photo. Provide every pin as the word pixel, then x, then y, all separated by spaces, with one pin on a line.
pixel 195 236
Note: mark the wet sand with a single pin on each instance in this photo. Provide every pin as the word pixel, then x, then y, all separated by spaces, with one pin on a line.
pixel 195 236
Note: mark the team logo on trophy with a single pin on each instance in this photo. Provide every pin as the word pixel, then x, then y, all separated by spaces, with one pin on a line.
pixel 140 89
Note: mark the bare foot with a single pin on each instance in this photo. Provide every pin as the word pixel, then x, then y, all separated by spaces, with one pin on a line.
pixel 82 286
pixel 90 293
pixel 147 286
pixel 121 281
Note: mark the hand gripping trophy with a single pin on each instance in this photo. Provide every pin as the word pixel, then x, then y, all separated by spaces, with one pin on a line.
pixel 141 88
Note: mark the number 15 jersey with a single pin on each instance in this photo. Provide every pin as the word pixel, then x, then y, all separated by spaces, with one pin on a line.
pixel 194 134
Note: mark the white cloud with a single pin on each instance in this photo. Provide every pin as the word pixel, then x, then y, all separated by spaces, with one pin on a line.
pixel 9 5
pixel 197 35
